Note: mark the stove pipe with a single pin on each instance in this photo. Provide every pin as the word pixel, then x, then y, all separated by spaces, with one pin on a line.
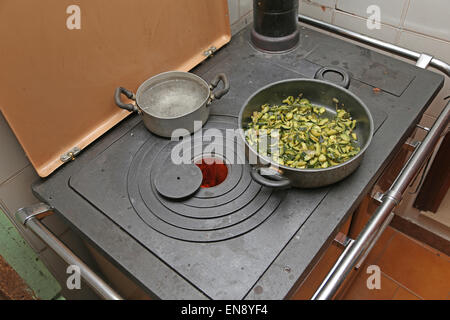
pixel 275 26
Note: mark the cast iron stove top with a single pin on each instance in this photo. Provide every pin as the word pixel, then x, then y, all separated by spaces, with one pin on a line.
pixel 222 241
pixel 230 209
pixel 220 237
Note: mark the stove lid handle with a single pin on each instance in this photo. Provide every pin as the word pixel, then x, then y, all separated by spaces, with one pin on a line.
pixel 345 82
pixel 130 95
pixel 278 182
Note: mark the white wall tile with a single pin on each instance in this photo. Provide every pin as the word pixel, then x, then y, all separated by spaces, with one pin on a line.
pixel 421 43
pixel 245 6
pixel 391 10
pixel 430 17
pixel 12 156
pixel 233 10
pixel 242 23
pixel 358 24
pixel 315 11
pixel 16 192
pixel 326 3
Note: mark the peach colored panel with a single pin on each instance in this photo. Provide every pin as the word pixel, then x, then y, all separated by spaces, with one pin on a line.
pixel 57 85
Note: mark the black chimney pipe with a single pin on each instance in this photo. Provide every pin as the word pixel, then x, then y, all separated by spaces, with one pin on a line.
pixel 275 27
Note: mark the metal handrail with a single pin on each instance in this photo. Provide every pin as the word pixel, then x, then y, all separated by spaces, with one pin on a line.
pixel 29 217
pixel 407 53
pixel 359 248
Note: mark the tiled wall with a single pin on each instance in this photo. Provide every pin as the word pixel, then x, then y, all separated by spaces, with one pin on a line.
pixel 419 25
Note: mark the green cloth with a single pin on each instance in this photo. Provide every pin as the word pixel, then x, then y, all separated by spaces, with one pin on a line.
pixel 20 256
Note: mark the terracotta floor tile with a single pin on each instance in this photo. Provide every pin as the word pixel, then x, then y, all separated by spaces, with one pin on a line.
pixel 315 278
pixel 403 294
pixel 423 271
pixel 381 245
pixel 359 290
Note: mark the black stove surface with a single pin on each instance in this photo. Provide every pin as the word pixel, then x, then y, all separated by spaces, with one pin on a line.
pixel 221 237
pixel 230 209
pixel 224 240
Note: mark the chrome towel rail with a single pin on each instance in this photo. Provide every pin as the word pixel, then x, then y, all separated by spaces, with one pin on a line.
pixel 423 60
pixel 357 250
pixel 29 217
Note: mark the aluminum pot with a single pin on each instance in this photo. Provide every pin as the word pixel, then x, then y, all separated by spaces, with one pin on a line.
pixel 173 100
pixel 321 93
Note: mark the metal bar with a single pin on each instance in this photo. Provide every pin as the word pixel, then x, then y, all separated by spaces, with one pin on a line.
pixel 29 217
pixel 410 54
pixel 424 61
pixel 390 200
pixel 333 269
pixel 383 227
pixel 423 128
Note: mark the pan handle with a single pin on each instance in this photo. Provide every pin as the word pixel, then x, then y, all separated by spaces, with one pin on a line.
pixel 345 82
pixel 279 182
pixel 226 86
pixel 130 95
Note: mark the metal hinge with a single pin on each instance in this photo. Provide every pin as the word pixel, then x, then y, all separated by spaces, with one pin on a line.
pixel 423 128
pixel 70 155
pixel 378 197
pixel 210 51
pixel 424 61
pixel 342 240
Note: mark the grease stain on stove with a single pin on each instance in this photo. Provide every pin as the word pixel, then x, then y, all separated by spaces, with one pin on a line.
pixel 258 290
pixel 365 52
pixel 287 269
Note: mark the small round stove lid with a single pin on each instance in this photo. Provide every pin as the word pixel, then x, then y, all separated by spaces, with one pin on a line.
pixel 178 181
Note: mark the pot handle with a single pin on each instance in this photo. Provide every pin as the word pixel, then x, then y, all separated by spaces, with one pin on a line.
pixel 345 82
pixel 130 95
pixel 226 86
pixel 280 182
